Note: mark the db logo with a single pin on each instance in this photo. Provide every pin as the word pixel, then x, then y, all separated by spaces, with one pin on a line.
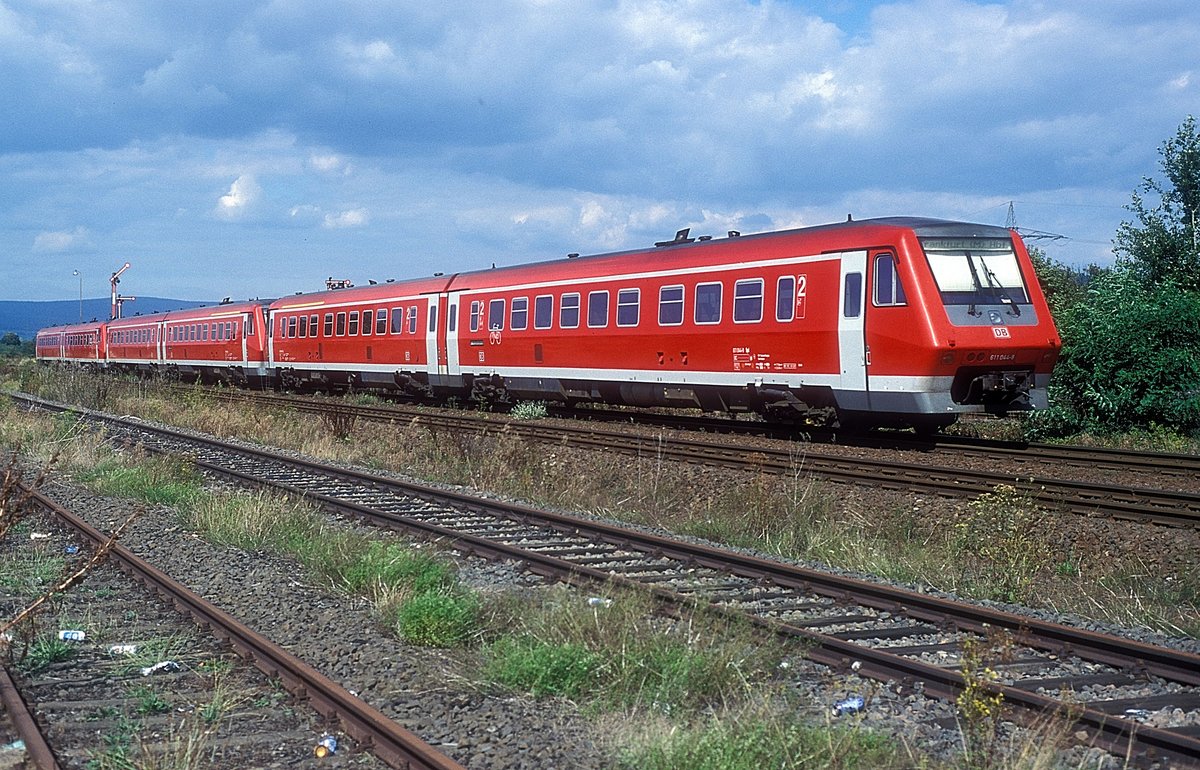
pixel 1001 332
pixel 494 337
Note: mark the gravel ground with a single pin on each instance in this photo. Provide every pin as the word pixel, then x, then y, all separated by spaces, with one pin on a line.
pixel 433 693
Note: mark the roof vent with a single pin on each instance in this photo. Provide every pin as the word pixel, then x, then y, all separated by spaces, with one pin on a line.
pixel 680 237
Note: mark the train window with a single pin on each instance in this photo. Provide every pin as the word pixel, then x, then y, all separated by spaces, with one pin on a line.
pixel 368 321
pixel 708 303
pixel 291 326
pixel 452 321
pixel 568 311
pixel 412 320
pixel 397 320
pixel 328 325
pixel 312 325
pixel 852 303
pixel 303 326
pixel 341 325
pixel 888 289
pixel 543 312
pixel 432 318
pixel 748 301
pixel 628 306
pixel 381 326
pixel 785 298
pixel 354 324
pixel 249 326
pixel 597 309
pixel 495 315
pixel 476 313
pixel 520 314
pixel 670 306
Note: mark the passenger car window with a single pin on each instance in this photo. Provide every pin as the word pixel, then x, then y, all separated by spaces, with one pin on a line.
pixel 496 315
pixel 748 301
pixel 785 298
pixel 597 309
pixel 628 307
pixel 381 321
pixel 568 313
pixel 670 306
pixel 543 312
pixel 708 303
pixel 520 313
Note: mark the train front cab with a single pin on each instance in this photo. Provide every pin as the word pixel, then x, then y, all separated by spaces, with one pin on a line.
pixel 953 322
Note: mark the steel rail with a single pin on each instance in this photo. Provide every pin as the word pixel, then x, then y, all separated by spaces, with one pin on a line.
pixel 37 750
pixel 1162 507
pixel 392 743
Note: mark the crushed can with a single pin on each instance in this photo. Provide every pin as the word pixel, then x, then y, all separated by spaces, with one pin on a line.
pixel 851 705
pixel 72 635
pixel 165 666
pixel 326 746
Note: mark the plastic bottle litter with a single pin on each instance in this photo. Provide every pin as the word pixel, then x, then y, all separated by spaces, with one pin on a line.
pixel 122 649
pixel 851 705
pixel 596 601
pixel 39 535
pixel 71 550
pixel 158 668
pixel 14 746
pixel 326 746
pixel 72 635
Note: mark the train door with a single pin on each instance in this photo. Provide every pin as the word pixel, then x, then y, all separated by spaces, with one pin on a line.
pixel 431 333
pixel 443 304
pixel 453 365
pixel 852 346
pixel 269 339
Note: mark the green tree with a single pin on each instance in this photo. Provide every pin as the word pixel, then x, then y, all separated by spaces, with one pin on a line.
pixel 10 338
pixel 1163 245
pixel 1129 359
pixel 1062 284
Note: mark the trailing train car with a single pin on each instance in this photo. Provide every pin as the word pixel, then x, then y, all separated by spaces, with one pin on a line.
pixel 74 343
pixel 897 321
pixel 224 343
pixel 380 336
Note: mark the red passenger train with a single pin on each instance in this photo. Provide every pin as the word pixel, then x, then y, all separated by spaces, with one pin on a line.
pixel 897 321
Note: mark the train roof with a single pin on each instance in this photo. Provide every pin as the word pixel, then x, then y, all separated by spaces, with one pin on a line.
pixel 685 250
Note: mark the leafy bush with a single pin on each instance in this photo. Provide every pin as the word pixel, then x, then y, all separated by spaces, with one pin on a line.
pixel 1129 359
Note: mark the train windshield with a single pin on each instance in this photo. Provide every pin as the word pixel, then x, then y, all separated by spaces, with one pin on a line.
pixel 976 271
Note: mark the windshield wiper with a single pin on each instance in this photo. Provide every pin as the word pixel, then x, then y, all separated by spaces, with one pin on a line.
pixel 998 289
pixel 971 309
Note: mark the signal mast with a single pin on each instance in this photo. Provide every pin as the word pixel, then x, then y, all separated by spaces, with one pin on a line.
pixel 117 299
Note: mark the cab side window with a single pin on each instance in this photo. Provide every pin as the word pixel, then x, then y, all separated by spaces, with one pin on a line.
pixel 888 290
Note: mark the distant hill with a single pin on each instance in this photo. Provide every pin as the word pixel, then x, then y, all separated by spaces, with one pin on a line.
pixel 25 318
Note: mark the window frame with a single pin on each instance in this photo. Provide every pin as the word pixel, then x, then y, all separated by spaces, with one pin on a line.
pixel 636 304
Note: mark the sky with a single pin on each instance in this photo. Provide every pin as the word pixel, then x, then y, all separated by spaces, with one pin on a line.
pixel 256 148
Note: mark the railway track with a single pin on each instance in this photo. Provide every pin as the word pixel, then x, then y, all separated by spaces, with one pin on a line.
pixel 1131 503
pixel 1127 696
pixel 102 688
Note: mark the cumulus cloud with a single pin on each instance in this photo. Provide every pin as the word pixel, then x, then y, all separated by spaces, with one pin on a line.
pixel 60 241
pixel 351 218
pixel 243 193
